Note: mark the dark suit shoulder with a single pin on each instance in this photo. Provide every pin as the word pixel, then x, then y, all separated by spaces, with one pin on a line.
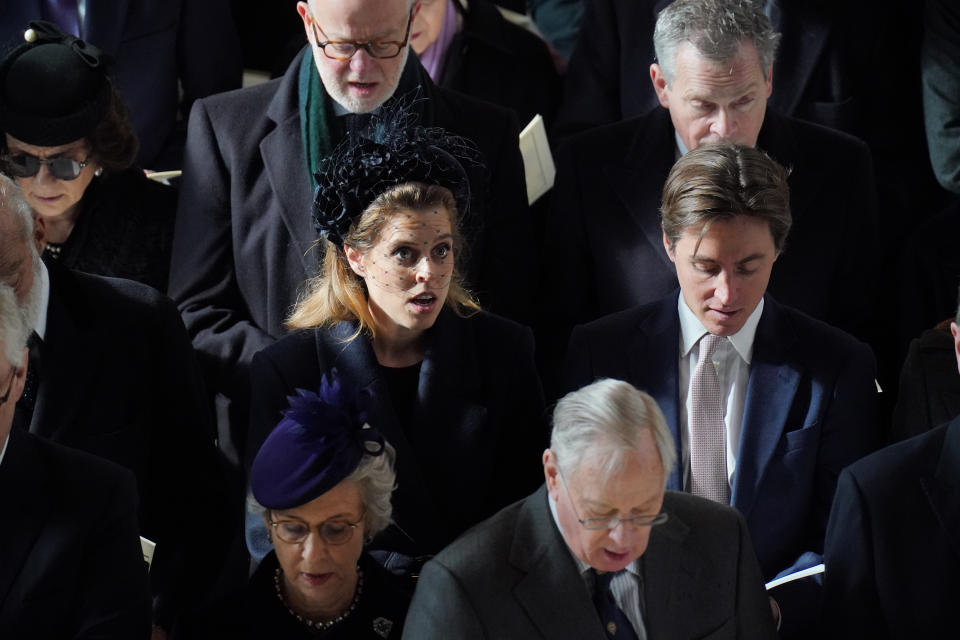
pixel 828 341
pixel 293 343
pixel 806 145
pixel 75 472
pixel 813 135
pixel 613 139
pixel 887 471
pixel 107 297
pixel 485 543
pixel 239 101
pixel 493 326
pixel 695 511
pixel 613 326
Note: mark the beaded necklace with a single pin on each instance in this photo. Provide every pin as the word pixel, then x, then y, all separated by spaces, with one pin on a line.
pixel 319 624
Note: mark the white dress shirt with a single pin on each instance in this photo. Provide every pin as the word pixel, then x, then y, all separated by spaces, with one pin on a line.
pixel 625 586
pixel 732 360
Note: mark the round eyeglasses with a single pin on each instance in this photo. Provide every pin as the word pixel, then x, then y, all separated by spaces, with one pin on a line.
pixel 24 165
pixel 335 532
pixel 611 522
pixel 345 49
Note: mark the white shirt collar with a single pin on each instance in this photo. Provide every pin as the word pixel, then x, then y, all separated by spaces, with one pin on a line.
pixel 41 327
pixel 691 330
pixel 3 451
pixel 583 567
pixel 681 148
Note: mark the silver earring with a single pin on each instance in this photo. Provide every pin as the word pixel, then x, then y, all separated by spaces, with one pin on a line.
pixel 98 172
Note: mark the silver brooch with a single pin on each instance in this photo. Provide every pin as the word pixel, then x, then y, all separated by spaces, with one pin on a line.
pixel 382 627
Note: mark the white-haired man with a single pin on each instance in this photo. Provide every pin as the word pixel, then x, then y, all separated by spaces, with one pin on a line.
pixel 70 562
pixel 111 372
pixel 601 551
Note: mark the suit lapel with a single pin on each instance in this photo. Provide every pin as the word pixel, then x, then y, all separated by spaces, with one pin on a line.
pixel 285 165
pixel 651 154
pixel 943 488
pixel 658 340
pixel 540 552
pixel 664 567
pixel 23 492
pixel 771 388
pixel 449 380
pixel 356 361
pixel 67 357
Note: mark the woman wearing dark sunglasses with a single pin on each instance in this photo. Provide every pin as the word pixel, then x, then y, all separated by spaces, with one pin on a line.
pixel 69 144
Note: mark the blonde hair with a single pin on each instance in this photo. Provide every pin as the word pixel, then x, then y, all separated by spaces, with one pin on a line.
pixel 337 294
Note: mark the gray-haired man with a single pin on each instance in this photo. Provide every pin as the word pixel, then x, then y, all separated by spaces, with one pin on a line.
pixel 601 551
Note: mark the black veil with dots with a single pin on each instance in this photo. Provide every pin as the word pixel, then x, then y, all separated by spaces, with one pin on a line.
pixel 391 150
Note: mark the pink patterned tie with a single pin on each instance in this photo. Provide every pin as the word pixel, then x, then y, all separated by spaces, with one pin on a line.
pixel 708 434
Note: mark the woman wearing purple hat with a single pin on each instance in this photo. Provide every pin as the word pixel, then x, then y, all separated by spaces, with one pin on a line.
pixel 69 144
pixel 322 483
pixel 455 389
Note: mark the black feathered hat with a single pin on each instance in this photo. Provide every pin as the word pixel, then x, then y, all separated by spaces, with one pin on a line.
pixel 393 149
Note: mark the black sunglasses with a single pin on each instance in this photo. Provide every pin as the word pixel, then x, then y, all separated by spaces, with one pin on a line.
pixel 24 165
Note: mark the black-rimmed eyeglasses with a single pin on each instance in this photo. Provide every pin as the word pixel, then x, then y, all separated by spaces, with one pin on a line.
pixel 335 532
pixel 24 165
pixel 611 522
pixel 345 49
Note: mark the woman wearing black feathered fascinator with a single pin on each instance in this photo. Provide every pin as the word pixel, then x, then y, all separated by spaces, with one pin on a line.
pixel 455 390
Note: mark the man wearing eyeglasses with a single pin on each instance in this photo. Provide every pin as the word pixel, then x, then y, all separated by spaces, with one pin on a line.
pixel 244 243
pixel 601 551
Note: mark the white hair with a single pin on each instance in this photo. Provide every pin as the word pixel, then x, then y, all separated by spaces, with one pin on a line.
pixel 14 330
pixel 609 418
pixel 16 226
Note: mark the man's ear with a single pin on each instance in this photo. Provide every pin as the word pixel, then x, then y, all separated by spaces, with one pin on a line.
pixel 669 249
pixel 550 472
pixel 20 379
pixel 356 260
pixel 304 10
pixel 660 85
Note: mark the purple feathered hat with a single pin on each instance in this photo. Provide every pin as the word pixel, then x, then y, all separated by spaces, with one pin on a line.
pixel 318 443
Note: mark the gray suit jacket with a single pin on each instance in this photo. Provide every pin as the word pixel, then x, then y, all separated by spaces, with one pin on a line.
pixel 513 576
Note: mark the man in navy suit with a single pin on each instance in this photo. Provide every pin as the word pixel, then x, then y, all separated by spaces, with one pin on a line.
pixel 713 79
pixel 70 560
pixel 892 553
pixel 787 400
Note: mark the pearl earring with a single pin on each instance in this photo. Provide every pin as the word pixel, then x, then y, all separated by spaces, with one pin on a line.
pixel 98 172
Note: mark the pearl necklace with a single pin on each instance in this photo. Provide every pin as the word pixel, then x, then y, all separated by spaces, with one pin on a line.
pixel 319 624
